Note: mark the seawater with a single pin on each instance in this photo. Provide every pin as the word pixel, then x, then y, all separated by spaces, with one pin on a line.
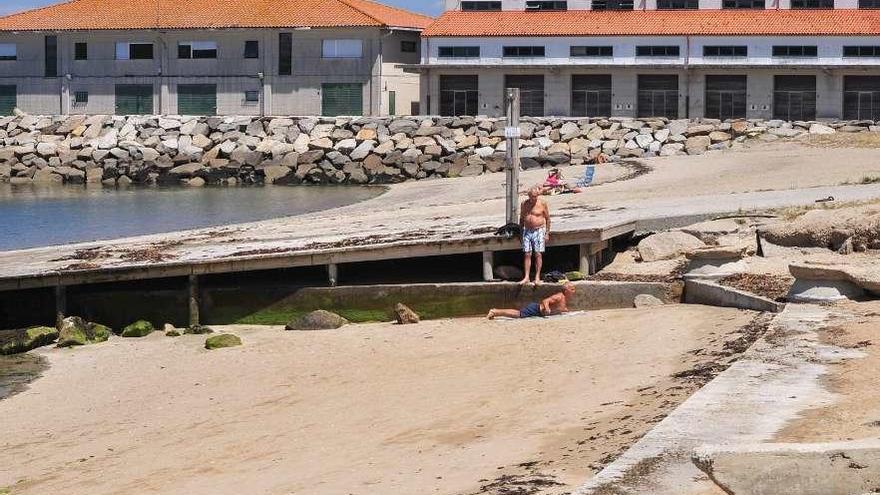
pixel 32 216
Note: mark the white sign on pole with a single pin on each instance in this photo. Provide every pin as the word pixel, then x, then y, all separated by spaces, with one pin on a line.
pixel 512 132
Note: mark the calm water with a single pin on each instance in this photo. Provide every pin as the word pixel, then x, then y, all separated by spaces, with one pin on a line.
pixel 34 216
pixel 17 371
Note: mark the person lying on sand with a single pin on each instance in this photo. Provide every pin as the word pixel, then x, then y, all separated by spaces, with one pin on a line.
pixel 553 305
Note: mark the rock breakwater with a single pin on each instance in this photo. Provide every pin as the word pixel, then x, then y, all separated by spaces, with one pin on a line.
pixel 122 150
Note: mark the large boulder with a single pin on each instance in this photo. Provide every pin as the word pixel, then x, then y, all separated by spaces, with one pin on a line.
pixel 23 340
pixel 317 320
pixel 222 340
pixel 666 245
pixel 75 331
pixel 405 315
pixel 140 328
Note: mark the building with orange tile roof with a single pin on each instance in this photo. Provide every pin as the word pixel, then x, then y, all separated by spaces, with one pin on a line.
pixel 722 59
pixel 243 57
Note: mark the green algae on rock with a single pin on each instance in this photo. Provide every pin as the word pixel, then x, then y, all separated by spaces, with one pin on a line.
pixel 140 328
pixel 222 340
pixel 75 332
pixel 198 330
pixel 23 340
pixel 317 320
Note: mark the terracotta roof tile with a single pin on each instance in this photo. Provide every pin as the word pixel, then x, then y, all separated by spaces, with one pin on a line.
pixel 196 14
pixel 658 23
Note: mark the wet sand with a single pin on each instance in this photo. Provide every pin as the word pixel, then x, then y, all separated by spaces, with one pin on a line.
pixel 855 414
pixel 445 407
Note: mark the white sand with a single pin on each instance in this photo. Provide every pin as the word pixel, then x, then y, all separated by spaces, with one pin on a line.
pixel 369 409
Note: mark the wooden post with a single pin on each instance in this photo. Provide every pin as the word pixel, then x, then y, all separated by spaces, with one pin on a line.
pixel 584 259
pixel 194 300
pixel 512 133
pixel 488 266
pixel 60 304
pixel 333 274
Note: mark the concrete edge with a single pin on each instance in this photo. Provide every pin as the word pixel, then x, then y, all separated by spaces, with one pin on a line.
pixel 714 294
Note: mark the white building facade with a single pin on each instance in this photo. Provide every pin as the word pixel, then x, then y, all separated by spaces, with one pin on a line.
pixel 724 63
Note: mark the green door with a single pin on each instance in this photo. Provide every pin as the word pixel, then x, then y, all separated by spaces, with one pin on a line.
pixel 342 99
pixel 134 99
pixel 197 99
pixel 7 100
pixel 392 103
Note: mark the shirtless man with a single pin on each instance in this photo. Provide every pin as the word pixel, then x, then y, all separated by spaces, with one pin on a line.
pixel 553 305
pixel 534 218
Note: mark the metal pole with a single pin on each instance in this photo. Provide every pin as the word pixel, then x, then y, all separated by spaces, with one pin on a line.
pixel 512 133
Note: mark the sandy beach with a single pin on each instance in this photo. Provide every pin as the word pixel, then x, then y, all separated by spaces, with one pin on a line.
pixel 447 407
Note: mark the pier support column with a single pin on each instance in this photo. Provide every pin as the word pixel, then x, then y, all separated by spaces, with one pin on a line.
pixel 60 304
pixel 590 258
pixel 488 266
pixel 333 274
pixel 194 300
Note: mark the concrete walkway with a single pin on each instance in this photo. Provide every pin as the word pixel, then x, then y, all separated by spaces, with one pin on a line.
pixel 746 404
pixel 764 177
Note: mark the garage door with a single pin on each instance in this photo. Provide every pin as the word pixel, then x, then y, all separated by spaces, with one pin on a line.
pixel 134 99
pixel 342 99
pixel 197 99
pixel 591 95
pixel 8 98
pixel 459 95
pixel 794 97
pixel 531 94
pixel 726 97
pixel 658 96
pixel 861 97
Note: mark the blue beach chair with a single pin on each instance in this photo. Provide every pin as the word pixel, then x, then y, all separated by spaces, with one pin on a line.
pixel 587 179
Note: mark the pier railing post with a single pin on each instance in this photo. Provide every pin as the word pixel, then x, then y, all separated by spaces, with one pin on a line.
pixel 512 133
pixel 194 300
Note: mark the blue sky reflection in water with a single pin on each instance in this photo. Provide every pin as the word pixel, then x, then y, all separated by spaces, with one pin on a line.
pixel 35 217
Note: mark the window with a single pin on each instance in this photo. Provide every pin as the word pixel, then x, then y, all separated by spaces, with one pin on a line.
pixel 8 51
pixel 812 4
pixel 285 54
pixel 197 49
pixel 612 4
pixel 409 46
pixel 794 51
pixel 51 56
pixel 343 49
pixel 252 49
pixel 725 51
pixel 869 4
pixel 677 4
pixel 592 51
pixel 459 95
pixel 342 99
pixel 8 99
pixel 523 51
pixel 197 99
pixel 480 5
pixel 743 4
pixel 458 52
pixel 80 97
pixel 251 96
pixel 134 51
pixel 81 51
pixel 861 51
pixel 545 5
pixel 657 51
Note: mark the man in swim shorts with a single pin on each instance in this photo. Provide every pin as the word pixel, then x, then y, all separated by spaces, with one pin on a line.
pixel 553 305
pixel 534 218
